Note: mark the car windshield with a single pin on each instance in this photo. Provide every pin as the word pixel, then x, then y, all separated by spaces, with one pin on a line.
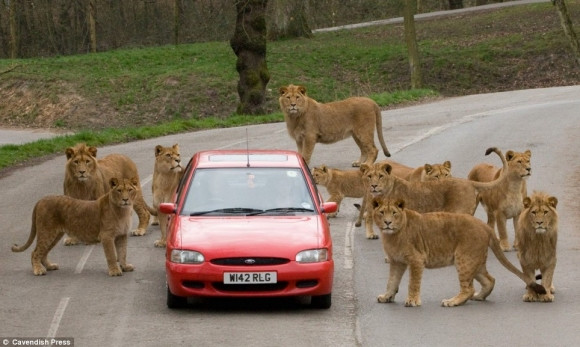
pixel 248 191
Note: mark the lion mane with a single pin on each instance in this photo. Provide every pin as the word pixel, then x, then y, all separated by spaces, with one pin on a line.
pixel 310 122
pixel 434 240
pixel 536 239
pixel 106 220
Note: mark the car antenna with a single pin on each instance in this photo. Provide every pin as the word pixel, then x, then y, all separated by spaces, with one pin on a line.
pixel 247 149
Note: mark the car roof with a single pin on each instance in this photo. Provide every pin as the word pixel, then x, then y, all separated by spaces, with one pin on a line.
pixel 247 158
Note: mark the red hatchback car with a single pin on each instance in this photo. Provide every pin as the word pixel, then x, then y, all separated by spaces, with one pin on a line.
pixel 248 223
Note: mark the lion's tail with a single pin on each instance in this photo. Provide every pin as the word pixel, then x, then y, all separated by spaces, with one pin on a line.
pixel 151 210
pixel 379 124
pixel 530 282
pixel 492 184
pixel 15 247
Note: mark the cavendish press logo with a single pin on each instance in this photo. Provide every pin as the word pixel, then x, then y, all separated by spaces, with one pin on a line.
pixel 38 341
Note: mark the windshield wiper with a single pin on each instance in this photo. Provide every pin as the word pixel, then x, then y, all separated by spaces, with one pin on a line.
pixel 229 210
pixel 283 209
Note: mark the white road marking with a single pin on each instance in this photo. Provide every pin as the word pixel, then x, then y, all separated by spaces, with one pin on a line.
pixel 348 240
pixel 57 317
pixel 84 258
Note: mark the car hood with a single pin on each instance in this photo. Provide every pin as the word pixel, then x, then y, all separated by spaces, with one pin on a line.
pixel 255 236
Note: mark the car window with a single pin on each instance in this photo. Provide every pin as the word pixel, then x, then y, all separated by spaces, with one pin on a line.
pixel 247 191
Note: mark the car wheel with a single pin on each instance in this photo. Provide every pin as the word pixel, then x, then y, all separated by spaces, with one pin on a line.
pixel 174 301
pixel 321 301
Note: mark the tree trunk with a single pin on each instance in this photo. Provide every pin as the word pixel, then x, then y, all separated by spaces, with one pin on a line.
pixel 176 22
pixel 288 19
pixel 568 28
pixel 92 26
pixel 455 4
pixel 13 32
pixel 249 45
pixel 412 48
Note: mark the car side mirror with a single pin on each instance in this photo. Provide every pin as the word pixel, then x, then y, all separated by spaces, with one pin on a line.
pixel 167 207
pixel 329 207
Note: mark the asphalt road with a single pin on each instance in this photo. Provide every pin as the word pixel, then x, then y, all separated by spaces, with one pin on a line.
pixel 82 302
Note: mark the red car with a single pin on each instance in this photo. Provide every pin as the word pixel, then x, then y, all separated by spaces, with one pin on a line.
pixel 248 223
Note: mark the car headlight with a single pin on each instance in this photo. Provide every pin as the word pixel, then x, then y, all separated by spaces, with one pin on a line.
pixel 312 256
pixel 186 257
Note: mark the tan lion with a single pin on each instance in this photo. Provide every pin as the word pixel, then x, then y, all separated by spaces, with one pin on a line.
pixel 348 183
pixel 310 122
pixel 449 195
pixel 506 200
pixel 430 172
pixel 536 237
pixel 106 220
pixel 166 175
pixel 87 178
pixel 435 240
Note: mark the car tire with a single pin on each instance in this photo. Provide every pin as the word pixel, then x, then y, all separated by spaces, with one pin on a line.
pixel 321 301
pixel 174 301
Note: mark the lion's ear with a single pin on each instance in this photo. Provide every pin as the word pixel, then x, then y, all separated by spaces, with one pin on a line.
pixel 113 182
pixel 387 168
pixel 528 153
pixel 400 203
pixel 447 164
pixel 553 201
pixel 364 167
pixel 93 151
pixel 70 152
pixel 527 202
pixel 302 90
pixel 509 155
pixel 376 202
pixel 428 168
pixel 283 90
pixel 158 150
pixel 176 147
pixel 135 181
pixel 324 168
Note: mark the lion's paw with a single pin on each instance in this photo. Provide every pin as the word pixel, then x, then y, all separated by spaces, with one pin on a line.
pixel 155 221
pixel 505 246
pixel 138 232
pixel 71 241
pixel 356 163
pixel 51 266
pixel 530 297
pixel 160 243
pixel 412 302
pixel 116 271
pixel 331 215
pixel 127 268
pixel 39 270
pixel 546 298
pixel 372 236
pixel 450 302
pixel 385 298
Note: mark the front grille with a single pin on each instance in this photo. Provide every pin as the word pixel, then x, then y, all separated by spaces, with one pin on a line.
pixel 249 261
pixel 262 287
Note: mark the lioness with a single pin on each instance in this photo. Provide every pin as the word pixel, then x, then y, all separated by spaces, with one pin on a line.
pixel 166 175
pixel 348 183
pixel 430 172
pixel 434 240
pixel 536 237
pixel 106 220
pixel 87 178
pixel 448 195
pixel 504 201
pixel 310 122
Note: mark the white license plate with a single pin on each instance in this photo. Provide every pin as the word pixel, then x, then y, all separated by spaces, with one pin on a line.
pixel 250 277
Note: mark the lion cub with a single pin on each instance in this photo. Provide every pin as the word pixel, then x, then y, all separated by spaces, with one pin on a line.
pixel 536 237
pixel 166 175
pixel 430 172
pixel 106 220
pixel 434 240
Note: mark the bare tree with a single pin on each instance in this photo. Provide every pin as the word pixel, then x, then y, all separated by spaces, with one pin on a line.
pixel 288 19
pixel 249 45
pixel 13 32
pixel 92 26
pixel 412 48
pixel 568 28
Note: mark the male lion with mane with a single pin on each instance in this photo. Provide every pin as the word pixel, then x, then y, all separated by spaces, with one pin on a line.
pixel 87 178
pixel 166 175
pixel 106 220
pixel 536 237
pixel 434 240
pixel 310 122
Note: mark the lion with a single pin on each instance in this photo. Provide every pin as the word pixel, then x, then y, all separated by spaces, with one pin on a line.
pixel 348 183
pixel 87 178
pixel 434 240
pixel 430 172
pixel 166 175
pixel 449 195
pixel 310 122
pixel 536 237
pixel 106 220
pixel 506 200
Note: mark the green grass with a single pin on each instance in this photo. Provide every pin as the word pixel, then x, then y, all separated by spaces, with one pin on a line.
pixel 131 94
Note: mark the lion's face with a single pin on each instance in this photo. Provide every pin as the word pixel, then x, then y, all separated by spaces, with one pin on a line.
pixel 321 175
pixel 377 178
pixel 540 212
pixel 388 215
pixel 292 99
pixel 168 159
pixel 81 162
pixel 123 192
pixel 520 162
pixel 435 172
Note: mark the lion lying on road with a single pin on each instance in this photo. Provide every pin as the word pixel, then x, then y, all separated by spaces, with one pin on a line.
pixel 166 175
pixel 506 200
pixel 434 240
pixel 106 220
pixel 87 178
pixel 430 172
pixel 310 122
pixel 536 237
